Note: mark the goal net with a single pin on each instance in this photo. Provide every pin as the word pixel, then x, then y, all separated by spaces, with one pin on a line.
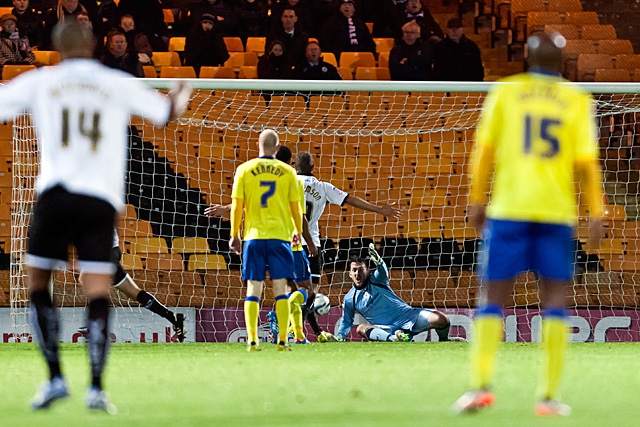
pixel 386 142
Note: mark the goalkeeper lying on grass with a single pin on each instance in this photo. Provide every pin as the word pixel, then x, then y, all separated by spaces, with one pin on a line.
pixel 390 318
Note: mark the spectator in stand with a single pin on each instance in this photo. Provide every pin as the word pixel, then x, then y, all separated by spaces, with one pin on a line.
pixel 14 47
pixel 456 58
pixel 303 12
pixel 137 41
pixel 252 18
pixel 389 19
pixel 29 22
pixel 204 45
pixel 411 58
pixel 149 19
pixel 291 35
pixel 64 9
pixel 345 32
pixel 100 48
pixel 118 55
pixel 275 64
pixel 429 28
pixel 105 18
pixel 226 20
pixel 321 11
pixel 313 67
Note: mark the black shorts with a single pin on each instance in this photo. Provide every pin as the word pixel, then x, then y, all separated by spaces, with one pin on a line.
pixel 121 273
pixel 60 219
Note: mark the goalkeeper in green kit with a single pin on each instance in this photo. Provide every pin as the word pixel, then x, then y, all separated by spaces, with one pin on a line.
pixel 389 317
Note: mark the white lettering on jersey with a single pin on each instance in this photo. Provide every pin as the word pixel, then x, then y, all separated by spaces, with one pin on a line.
pixel 316 195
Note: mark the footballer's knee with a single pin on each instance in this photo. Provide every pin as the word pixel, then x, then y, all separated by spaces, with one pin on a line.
pixel 362 330
pixel 438 320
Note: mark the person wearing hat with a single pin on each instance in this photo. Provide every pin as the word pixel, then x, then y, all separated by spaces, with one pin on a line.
pixel 456 58
pixel 410 59
pixel 205 46
pixel 29 22
pixel 14 47
pixel 345 32
pixel 225 19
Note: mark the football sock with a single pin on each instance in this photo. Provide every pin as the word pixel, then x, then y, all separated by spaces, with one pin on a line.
pixel 443 333
pixel 282 313
pixel 150 302
pixel 377 334
pixel 296 300
pixel 251 312
pixel 98 338
pixel 307 313
pixel 488 332
pixel 554 343
pixel 44 318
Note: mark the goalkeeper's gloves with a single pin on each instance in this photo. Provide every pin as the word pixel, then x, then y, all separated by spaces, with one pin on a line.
pixel 373 254
pixel 326 337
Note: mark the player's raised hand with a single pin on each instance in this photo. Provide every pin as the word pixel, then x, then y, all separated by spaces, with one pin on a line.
pixel 477 216
pixel 235 244
pixel 179 97
pixel 391 210
pixel 217 210
pixel 373 254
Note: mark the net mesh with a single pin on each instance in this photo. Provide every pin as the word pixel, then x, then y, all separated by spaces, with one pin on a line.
pixel 411 148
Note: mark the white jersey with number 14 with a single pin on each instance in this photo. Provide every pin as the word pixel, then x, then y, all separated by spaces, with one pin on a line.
pixel 81 110
pixel 316 196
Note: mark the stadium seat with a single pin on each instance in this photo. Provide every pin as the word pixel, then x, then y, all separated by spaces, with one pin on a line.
pixel 239 59
pixel 372 73
pixel 537 20
pixel 520 9
pixel 612 75
pixel 207 262
pixel 189 245
pixel 176 44
pixel 589 63
pixel 5 10
pixel 47 57
pixel 131 262
pixel 149 245
pixel 598 32
pixel 384 44
pixel 180 72
pixel 383 59
pixel 166 262
pixel 149 71
pixel 234 44
pixel 256 44
pixel 354 60
pixel 570 55
pixel 165 58
pixel 330 58
pixel 168 16
pixel 399 252
pixel 630 62
pixel 248 72
pixel 570 32
pixel 564 6
pixel 217 73
pixel 345 73
pixel 581 18
pixel 615 47
pixel 132 227
pixel 423 229
pixel 11 71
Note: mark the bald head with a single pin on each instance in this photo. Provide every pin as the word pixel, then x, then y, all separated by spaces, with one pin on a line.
pixel 545 51
pixel 72 39
pixel 268 142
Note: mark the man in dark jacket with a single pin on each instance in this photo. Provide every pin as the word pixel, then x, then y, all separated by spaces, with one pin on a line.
pixel 345 32
pixel 204 46
pixel 313 67
pixel 456 58
pixel 118 55
pixel 410 59
pixel 293 38
pixel 29 22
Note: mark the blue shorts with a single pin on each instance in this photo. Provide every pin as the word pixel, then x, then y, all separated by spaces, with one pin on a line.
pixel 302 269
pixel 260 256
pixel 512 247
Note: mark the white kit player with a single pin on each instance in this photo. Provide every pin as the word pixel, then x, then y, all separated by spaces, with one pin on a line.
pixel 317 194
pixel 81 111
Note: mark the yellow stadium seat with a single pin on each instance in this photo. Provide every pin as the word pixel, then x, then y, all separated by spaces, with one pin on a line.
pixel 612 75
pixel 598 32
pixel 131 262
pixel 217 73
pixel 189 245
pixel 165 58
pixel 372 73
pixel 330 58
pixel 630 62
pixel 345 73
pixel 383 59
pixel 206 262
pixel 564 5
pixel 11 71
pixel 179 72
pixel 149 245
pixel 354 60
pixel 168 16
pixel 47 57
pixel 248 72
pixel 256 44
pixel 165 262
pixel 384 44
pixel 149 71
pixel 5 10
pixel 581 18
pixel 537 20
pixel 570 32
pixel 589 63
pixel 615 47
pixel 234 44
pixel 136 228
pixel 239 59
pixel 176 44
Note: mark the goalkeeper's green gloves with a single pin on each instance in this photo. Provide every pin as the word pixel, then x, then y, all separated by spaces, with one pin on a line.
pixel 326 337
pixel 373 254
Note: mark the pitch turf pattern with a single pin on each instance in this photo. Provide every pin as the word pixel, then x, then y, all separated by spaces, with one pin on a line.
pixel 337 384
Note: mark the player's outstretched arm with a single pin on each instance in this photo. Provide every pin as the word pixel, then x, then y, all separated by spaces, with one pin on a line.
pixel 179 97
pixel 390 210
pixel 217 210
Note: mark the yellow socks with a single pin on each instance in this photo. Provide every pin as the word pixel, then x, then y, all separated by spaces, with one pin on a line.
pixel 488 334
pixel 296 300
pixel 282 312
pixel 554 344
pixel 251 312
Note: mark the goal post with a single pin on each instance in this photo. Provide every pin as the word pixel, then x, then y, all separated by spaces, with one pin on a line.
pixel 402 142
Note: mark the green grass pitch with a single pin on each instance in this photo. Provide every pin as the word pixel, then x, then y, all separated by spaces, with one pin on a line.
pixel 337 384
